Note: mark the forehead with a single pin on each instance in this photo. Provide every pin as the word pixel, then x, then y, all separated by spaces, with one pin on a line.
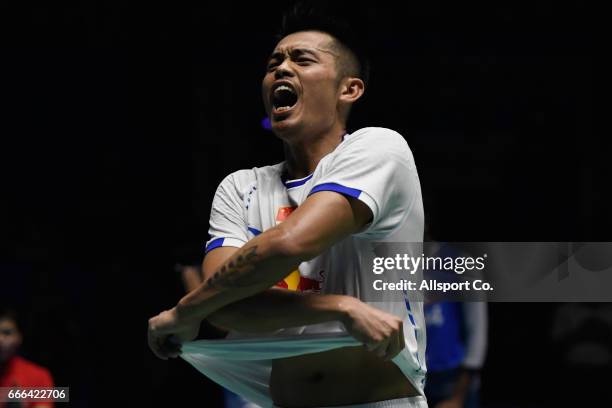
pixel 314 40
pixel 7 324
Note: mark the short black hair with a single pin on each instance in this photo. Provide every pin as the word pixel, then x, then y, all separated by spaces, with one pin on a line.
pixel 331 18
pixel 6 313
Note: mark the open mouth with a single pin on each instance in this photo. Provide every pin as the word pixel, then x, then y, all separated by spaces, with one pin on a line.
pixel 284 98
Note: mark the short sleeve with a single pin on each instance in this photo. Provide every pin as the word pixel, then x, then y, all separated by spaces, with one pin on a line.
pixel 375 166
pixel 227 225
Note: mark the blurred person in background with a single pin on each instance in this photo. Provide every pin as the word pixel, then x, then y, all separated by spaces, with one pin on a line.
pixel 456 348
pixel 16 371
pixel 456 342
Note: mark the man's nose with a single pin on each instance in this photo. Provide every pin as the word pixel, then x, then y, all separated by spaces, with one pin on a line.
pixel 283 70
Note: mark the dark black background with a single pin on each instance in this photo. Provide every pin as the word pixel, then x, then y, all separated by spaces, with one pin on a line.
pixel 119 120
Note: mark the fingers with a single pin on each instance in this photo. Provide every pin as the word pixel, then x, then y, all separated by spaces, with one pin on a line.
pixel 155 345
pixel 388 348
pixel 154 340
pixel 391 344
pixel 395 345
pixel 380 332
pixel 163 346
pixel 171 346
pixel 381 348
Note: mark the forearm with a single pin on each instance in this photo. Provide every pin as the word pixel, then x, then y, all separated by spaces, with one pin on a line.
pixel 255 267
pixel 322 220
pixel 276 309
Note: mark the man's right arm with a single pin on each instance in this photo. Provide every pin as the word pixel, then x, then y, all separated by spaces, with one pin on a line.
pixel 274 308
pixel 277 308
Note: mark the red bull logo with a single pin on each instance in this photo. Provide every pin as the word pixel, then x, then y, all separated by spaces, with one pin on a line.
pixel 300 283
pixel 295 281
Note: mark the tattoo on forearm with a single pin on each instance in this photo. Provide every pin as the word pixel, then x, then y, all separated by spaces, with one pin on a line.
pixel 234 273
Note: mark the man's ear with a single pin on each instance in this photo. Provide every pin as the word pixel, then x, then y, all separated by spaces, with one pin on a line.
pixel 352 89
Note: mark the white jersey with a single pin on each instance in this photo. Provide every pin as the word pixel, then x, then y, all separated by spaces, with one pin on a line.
pixel 373 165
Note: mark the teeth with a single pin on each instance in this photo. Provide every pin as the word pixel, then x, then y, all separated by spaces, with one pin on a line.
pixel 285 88
pixel 277 90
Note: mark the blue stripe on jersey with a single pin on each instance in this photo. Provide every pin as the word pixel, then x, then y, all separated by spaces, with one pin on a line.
pixel 410 314
pixel 255 231
pixel 215 243
pixel 411 319
pixel 338 188
pixel 296 183
pixel 413 323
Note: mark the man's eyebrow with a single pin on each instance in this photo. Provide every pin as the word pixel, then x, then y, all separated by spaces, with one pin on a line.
pixel 306 51
pixel 311 51
pixel 276 55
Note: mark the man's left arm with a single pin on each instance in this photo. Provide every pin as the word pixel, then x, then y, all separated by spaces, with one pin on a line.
pixel 322 220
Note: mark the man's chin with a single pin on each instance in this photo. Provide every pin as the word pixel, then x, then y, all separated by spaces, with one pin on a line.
pixel 285 127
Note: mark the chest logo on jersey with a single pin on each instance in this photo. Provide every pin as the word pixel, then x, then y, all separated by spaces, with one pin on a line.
pixel 283 213
pixel 295 281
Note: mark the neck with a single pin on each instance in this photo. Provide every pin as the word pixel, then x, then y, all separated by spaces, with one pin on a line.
pixel 304 154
